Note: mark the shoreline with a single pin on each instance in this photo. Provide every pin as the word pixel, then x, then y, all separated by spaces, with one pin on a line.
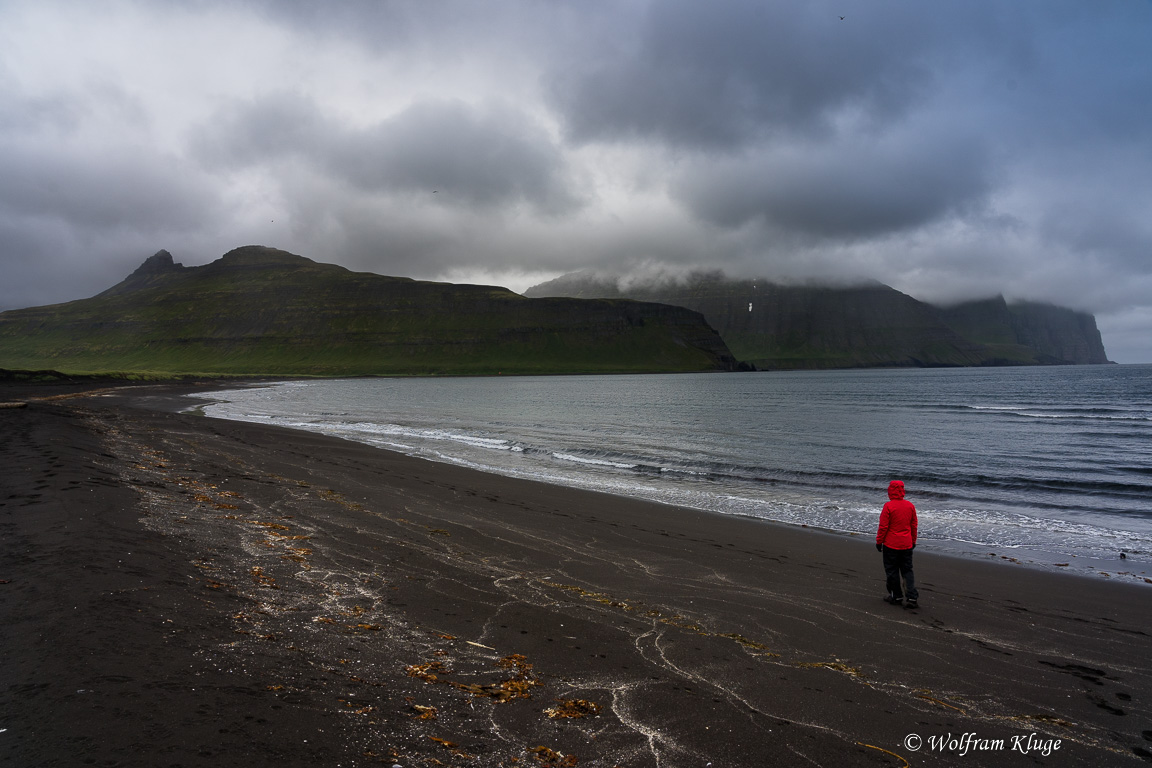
pixel 1051 559
pixel 299 599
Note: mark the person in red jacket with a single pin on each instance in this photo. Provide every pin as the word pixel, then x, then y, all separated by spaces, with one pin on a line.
pixel 896 538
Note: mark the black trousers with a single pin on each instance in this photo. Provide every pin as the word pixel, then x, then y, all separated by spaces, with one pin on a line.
pixel 897 564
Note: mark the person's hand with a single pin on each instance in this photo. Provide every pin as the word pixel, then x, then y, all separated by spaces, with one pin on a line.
pixel 879 547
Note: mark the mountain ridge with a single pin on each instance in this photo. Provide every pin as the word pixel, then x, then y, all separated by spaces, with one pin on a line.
pixel 263 311
pixel 869 324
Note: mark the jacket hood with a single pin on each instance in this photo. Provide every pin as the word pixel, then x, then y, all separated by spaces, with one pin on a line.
pixel 896 489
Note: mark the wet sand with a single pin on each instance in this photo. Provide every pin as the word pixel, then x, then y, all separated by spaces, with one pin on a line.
pixel 183 591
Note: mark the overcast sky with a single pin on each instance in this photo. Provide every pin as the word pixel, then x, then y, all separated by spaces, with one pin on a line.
pixel 949 149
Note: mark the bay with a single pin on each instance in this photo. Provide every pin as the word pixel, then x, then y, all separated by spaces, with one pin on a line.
pixel 1045 465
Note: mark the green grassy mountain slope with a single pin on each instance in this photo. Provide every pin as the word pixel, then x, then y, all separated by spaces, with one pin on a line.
pixel 261 311
pixel 872 325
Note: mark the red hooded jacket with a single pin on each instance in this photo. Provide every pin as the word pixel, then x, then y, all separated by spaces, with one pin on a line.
pixel 897 520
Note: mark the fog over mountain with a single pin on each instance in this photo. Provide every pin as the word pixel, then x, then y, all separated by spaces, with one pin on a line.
pixel 772 325
pixel 954 151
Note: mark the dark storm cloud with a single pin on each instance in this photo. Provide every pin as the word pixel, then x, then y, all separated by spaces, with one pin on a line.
pixel 842 191
pixel 445 29
pixel 723 74
pixel 484 156
pixel 719 74
pixel 953 150
pixel 73 224
pixel 789 115
pixel 478 156
pixel 100 191
pixel 376 22
pixel 266 129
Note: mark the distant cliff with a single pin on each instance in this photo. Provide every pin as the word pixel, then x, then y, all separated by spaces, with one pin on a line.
pixel 871 325
pixel 259 310
pixel 1047 333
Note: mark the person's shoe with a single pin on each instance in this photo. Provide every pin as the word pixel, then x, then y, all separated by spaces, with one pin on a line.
pixel 911 604
pixel 894 600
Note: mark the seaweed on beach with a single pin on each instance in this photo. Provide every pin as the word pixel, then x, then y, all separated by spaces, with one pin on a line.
pixel 450 745
pixel 260 577
pixel 550 758
pixel 744 641
pixel 518 686
pixel 573 708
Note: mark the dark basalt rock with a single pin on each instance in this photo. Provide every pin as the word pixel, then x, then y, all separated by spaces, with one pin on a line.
pixel 869 325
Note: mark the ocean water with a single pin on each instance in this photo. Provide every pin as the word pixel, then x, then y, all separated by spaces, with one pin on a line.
pixel 1047 465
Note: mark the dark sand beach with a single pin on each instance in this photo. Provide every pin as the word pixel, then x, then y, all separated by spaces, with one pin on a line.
pixel 182 591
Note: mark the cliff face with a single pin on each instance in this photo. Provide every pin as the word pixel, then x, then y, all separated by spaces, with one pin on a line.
pixel 1053 334
pixel 263 311
pixel 1061 333
pixel 778 326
